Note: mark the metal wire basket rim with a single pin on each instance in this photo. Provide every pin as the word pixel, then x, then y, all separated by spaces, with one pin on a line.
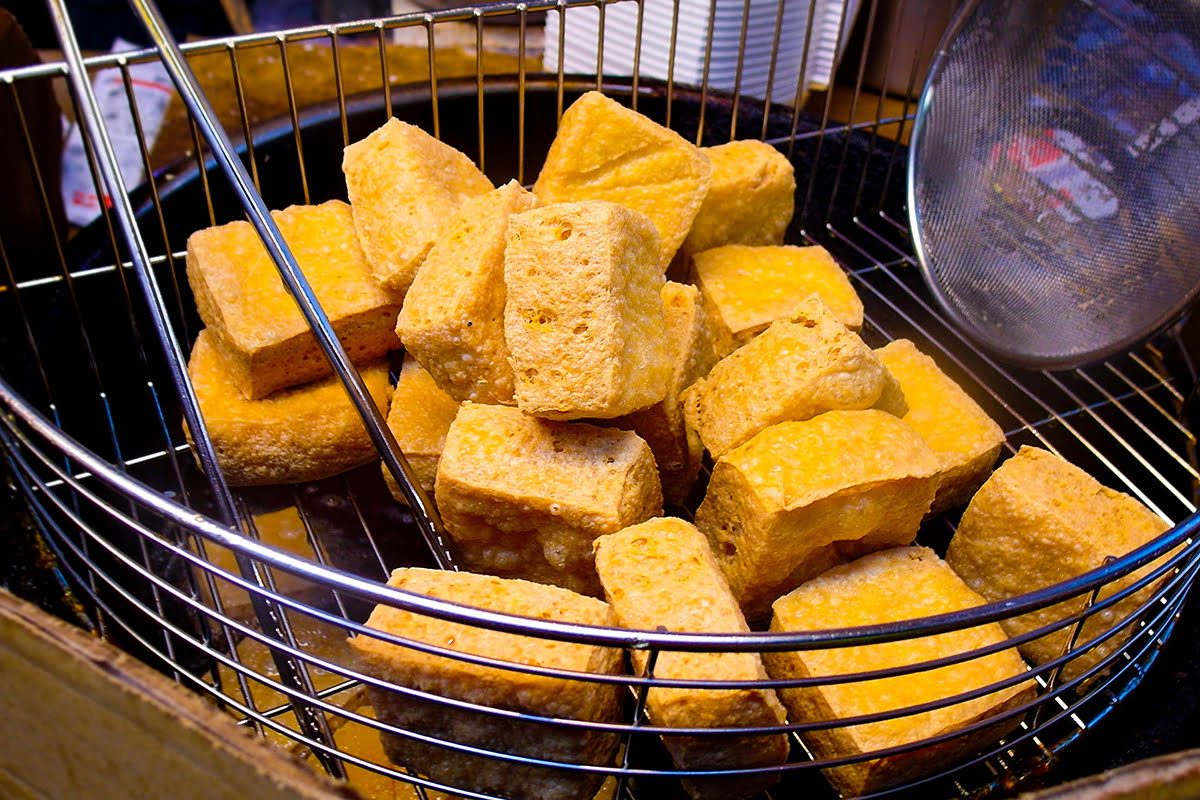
pixel 1067 710
pixel 646 681
pixel 1025 708
pixel 1175 588
pixel 921 247
pixel 1006 744
pixel 142 55
pixel 334 578
pixel 1183 576
pixel 650 730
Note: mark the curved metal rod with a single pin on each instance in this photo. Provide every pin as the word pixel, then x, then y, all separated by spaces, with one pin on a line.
pixel 342 581
pixel 269 616
pixel 297 285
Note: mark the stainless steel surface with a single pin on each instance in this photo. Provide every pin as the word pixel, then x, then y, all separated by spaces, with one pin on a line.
pixel 90 428
pixel 1053 169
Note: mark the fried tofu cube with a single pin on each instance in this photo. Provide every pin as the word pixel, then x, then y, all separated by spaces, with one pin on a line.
pixel 453 315
pixel 304 433
pixel 965 438
pixel 404 186
pixel 256 326
pixel 879 588
pixel 662 573
pixel 584 315
pixel 524 497
pixel 445 676
pixel 801 497
pixel 1040 520
pixel 750 200
pixel 604 151
pixel 801 366
pixel 748 288
pixel 676 447
pixel 419 418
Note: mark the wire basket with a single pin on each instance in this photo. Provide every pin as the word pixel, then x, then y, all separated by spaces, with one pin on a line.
pixel 247 596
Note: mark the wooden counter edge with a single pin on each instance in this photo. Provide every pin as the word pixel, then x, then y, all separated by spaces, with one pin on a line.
pixel 1175 776
pixel 80 718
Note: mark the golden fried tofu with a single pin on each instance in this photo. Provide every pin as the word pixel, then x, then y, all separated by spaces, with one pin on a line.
pixel 405 186
pixel 876 589
pixel 801 497
pixel 524 497
pixel 965 438
pixel 750 199
pixel 662 573
pixel 605 151
pixel 304 433
pixel 493 687
pixel 584 315
pixel 254 322
pixel 747 288
pixel 801 366
pixel 453 315
pixel 419 417
pixel 676 447
pixel 1040 520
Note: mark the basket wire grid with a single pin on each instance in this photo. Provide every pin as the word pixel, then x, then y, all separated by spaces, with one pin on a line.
pixel 184 571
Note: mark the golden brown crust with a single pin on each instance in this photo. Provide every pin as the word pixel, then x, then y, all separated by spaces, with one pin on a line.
pixel 965 438
pixel 525 497
pixel 404 186
pixel 299 434
pixel 419 417
pixel 747 288
pixel 798 368
pixel 801 497
pixel 676 447
pixel 453 315
pixel 254 322
pixel 750 200
pixel 494 687
pixel 876 589
pixel 1039 520
pixel 604 151
pixel 662 573
pixel 584 315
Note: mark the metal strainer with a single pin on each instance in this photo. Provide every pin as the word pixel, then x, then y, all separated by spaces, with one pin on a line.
pixel 1054 175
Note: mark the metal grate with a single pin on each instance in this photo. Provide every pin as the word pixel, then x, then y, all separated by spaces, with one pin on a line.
pixel 175 565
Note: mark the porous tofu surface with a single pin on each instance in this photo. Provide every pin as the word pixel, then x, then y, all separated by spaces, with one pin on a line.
pixel 499 687
pixel 419 418
pixel 676 447
pixel 890 586
pixel 525 497
pixel 405 186
pixel 801 366
pixel 584 313
pixel 1040 520
pixel 965 438
pixel 750 200
pixel 298 434
pixel 489 685
pixel 801 497
pixel 255 322
pixel 453 315
pixel 662 573
pixel 747 288
pixel 605 151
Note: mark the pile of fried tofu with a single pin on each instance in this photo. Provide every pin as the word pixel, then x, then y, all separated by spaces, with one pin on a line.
pixel 636 407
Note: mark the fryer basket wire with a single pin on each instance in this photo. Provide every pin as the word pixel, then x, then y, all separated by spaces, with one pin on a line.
pixel 182 571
